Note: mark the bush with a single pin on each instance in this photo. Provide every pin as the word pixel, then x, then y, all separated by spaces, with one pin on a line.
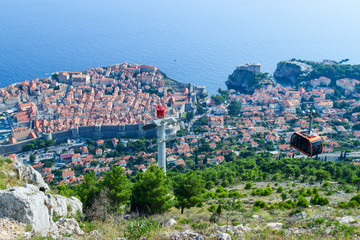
pixel 356 198
pixel 343 205
pixel 318 200
pixel 280 189
pixel 289 204
pixel 225 183
pixel 248 185
pixel 262 192
pixel 139 229
pixel 284 196
pixel 234 194
pixel 291 191
pixel 315 191
pixel 212 207
pixel 209 185
pixel 329 193
pixel 302 202
pixel 221 192
pixel 319 220
pixel 260 204
pixel 353 204
pixel 326 184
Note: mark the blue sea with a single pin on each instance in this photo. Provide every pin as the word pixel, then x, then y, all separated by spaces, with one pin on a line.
pixel 193 41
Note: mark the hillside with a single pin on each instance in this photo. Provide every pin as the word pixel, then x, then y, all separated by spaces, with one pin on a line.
pixel 296 70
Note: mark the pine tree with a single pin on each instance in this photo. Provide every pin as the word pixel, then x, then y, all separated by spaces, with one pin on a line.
pixel 151 192
pixel 118 187
pixel 187 190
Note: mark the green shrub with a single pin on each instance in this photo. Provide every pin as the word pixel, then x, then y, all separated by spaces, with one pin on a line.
pixel 225 183
pixel 326 184
pixel 234 194
pixel 295 211
pixel 319 220
pixel 262 191
pixel 212 207
pixel 356 198
pixel 260 204
pixel 141 228
pixel 290 204
pixel 209 185
pixel 343 204
pixel 318 200
pixel 315 191
pixel 329 193
pixel 302 202
pixel 309 192
pixel 280 189
pixel 248 185
pixel 353 204
pixel 284 196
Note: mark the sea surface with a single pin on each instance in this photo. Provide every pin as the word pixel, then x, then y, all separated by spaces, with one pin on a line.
pixel 194 41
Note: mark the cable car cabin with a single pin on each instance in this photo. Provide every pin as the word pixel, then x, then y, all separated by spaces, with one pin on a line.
pixel 309 145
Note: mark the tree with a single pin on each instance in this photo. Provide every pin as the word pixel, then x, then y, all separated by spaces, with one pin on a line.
pixel 32 158
pixel 151 192
pixel 357 182
pixel 88 189
pixel 322 175
pixel 118 186
pixel 187 191
pixel 234 108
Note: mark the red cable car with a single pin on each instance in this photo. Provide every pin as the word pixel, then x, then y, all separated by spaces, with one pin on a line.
pixel 310 145
pixel 305 141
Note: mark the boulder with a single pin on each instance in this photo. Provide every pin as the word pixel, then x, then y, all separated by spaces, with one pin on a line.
pixel 223 236
pixel 69 226
pixel 171 222
pixel 275 226
pixel 64 206
pixel 29 175
pixel 346 219
pixel 299 215
pixel 27 205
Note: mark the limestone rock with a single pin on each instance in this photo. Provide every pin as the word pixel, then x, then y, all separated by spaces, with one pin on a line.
pixel 275 226
pixel 29 175
pixel 346 219
pixel 299 215
pixel 27 205
pixel 223 236
pixel 69 226
pixel 64 206
pixel 171 222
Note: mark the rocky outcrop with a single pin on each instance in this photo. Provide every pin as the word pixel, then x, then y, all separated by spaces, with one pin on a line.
pixel 245 81
pixel 30 206
pixel 242 81
pixel 64 206
pixel 27 205
pixel 29 175
pixel 289 72
pixel 69 226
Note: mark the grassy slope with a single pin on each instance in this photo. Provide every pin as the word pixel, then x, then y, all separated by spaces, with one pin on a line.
pixel 320 224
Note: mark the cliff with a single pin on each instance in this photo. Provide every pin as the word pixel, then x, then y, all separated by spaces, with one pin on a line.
pixel 290 72
pixel 29 204
pixel 246 81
